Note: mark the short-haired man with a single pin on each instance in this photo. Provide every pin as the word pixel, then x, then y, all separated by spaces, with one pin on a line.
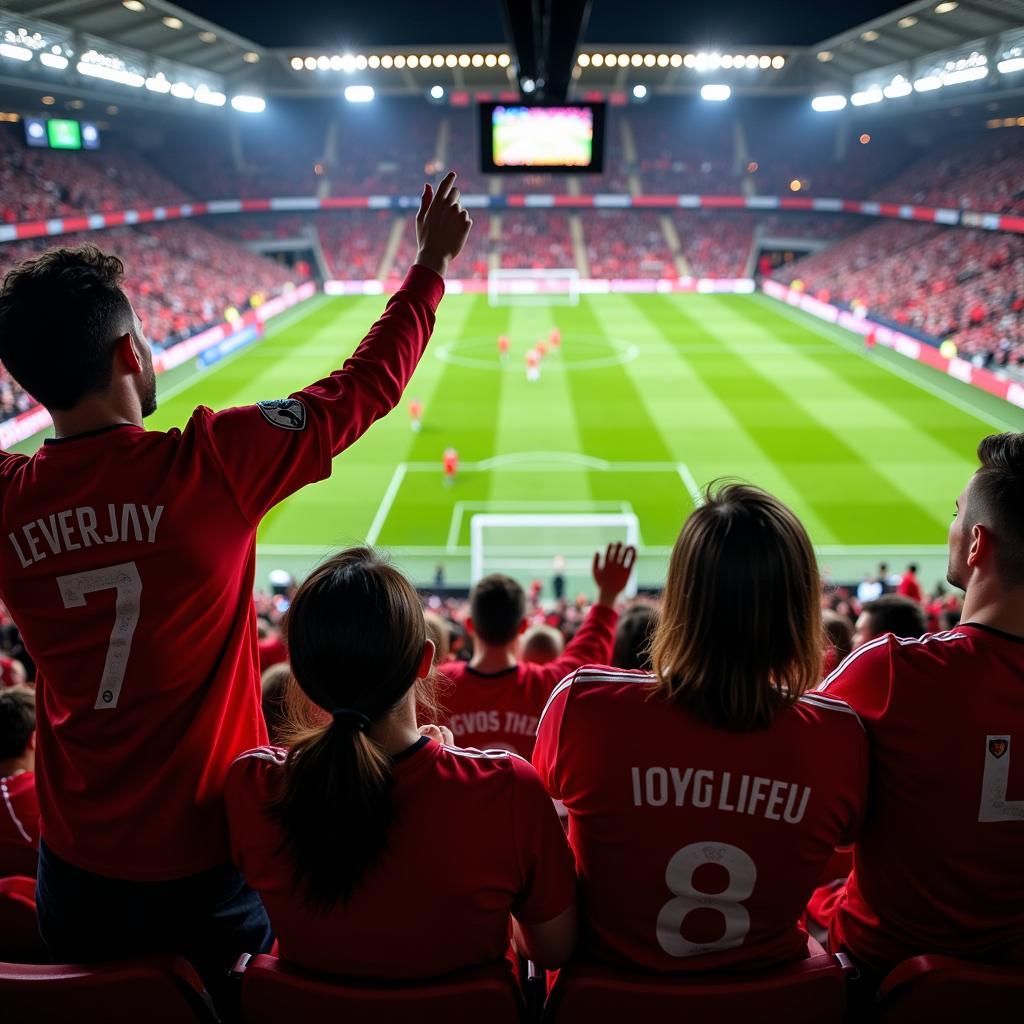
pixel 890 613
pixel 542 644
pixel 909 586
pixel 937 868
pixel 19 810
pixel 496 699
pixel 128 560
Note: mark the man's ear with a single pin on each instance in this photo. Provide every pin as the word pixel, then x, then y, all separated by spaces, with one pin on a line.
pixel 981 545
pixel 125 351
pixel 523 626
pixel 469 627
pixel 31 745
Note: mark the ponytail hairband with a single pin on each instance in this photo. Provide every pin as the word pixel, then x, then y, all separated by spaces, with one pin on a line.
pixel 356 719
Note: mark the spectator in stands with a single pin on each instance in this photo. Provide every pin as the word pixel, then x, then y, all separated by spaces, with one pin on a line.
pixel 909 585
pixel 370 835
pixel 273 685
pixel 838 638
pixel 541 645
pixel 890 613
pixel 439 635
pixel 937 866
pixel 706 797
pixel 633 637
pixel 136 734
pixel 496 699
pixel 272 650
pixel 12 672
pixel 19 811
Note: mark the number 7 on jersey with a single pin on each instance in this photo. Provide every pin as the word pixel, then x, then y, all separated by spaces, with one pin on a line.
pixel 125 580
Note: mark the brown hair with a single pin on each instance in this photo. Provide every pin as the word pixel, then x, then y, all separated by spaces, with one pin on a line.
pixel 60 317
pixel 17 720
pixel 996 499
pixel 740 632
pixel 356 636
pixel 497 605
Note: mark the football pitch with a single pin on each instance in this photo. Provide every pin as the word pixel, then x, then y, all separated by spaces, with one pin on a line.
pixel 648 398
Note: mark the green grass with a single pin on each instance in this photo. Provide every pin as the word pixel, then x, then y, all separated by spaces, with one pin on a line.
pixel 870 451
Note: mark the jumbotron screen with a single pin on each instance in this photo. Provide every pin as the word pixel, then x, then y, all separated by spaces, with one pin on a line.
pixel 517 138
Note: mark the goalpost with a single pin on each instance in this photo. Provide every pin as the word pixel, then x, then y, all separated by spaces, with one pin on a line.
pixel 541 545
pixel 553 287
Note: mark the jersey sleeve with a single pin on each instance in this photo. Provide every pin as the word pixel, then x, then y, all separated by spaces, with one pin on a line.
pixel 592 645
pixel 864 680
pixel 860 768
pixel 547 867
pixel 549 733
pixel 270 450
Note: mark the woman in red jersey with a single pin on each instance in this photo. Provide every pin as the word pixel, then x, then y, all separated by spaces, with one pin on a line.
pixel 377 850
pixel 706 797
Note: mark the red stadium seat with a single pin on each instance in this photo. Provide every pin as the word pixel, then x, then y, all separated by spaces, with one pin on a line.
pixel 944 990
pixel 273 992
pixel 19 933
pixel 812 991
pixel 154 990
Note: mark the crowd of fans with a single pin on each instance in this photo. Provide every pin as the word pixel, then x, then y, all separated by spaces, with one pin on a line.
pixel 947 283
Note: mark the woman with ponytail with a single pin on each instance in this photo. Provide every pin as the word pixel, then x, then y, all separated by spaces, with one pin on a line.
pixel 378 850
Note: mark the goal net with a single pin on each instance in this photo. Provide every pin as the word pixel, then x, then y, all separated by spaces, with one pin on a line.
pixel 539 546
pixel 555 287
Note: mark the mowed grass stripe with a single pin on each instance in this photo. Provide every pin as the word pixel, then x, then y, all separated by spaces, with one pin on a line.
pixel 460 413
pixel 912 462
pixel 701 423
pixel 870 376
pixel 537 416
pixel 844 490
pixel 616 424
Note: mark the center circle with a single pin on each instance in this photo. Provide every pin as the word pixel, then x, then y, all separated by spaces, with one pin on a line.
pixel 576 352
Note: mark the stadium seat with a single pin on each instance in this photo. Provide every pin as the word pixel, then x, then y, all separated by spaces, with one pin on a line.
pixel 154 990
pixel 273 992
pixel 944 990
pixel 812 991
pixel 19 933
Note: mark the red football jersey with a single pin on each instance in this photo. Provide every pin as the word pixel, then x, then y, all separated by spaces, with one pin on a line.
pixel 502 710
pixel 128 563
pixel 697 848
pixel 938 865
pixel 19 825
pixel 474 838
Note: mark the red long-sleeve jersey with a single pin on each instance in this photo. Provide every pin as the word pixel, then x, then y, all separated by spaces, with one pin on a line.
pixel 502 710
pixel 127 559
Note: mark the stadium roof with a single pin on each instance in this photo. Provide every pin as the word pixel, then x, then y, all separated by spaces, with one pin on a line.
pixel 134 42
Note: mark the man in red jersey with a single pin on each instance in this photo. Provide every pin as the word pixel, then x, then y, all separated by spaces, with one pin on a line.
pixel 937 868
pixel 503 347
pixel 451 466
pixel 496 699
pixel 909 585
pixel 127 562
pixel 19 810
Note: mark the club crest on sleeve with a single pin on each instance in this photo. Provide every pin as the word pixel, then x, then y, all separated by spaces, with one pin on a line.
pixel 998 747
pixel 286 413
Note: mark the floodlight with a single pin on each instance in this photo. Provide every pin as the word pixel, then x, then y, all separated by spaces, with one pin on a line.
pixel 359 93
pixel 640 92
pixel 249 104
pixel 865 97
pixel 182 91
pixel 715 93
pixel 898 87
pixel 824 104
pixel 12 52
pixel 1009 66
pixel 437 92
pixel 928 84
pixel 57 61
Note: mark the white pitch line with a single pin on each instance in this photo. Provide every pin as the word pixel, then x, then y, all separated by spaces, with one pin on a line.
pixel 385 504
pixel 696 494
pixel 455 528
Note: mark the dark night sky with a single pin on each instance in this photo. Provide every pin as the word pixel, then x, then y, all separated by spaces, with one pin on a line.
pixel 331 24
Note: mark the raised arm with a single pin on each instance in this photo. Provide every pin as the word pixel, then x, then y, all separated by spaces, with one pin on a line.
pixel 271 449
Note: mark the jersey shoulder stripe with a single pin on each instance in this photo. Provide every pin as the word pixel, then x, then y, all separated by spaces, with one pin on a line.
pixel 826 703
pixel 10 810
pixel 275 755
pixel 928 638
pixel 594 676
pixel 473 753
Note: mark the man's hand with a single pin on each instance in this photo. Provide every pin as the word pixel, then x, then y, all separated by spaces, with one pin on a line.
pixel 442 225
pixel 612 576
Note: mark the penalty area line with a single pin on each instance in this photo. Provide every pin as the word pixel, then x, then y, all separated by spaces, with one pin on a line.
pixel 690 483
pixel 384 509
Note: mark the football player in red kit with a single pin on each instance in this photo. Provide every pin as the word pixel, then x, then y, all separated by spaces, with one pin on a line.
pixel 502 347
pixel 533 365
pixel 938 865
pixel 416 415
pixel 870 340
pixel 496 699
pixel 706 797
pixel 555 338
pixel 369 835
pixel 451 466
pixel 127 562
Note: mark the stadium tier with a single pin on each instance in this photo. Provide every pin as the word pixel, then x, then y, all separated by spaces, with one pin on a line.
pixel 525 530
